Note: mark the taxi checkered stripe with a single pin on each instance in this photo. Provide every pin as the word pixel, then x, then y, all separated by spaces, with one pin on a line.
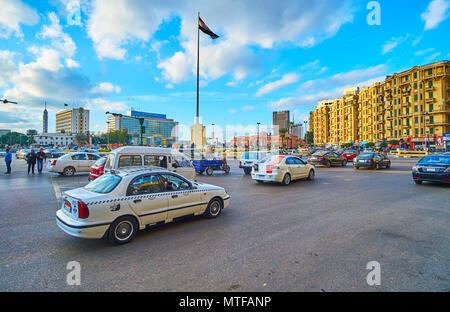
pixel 141 196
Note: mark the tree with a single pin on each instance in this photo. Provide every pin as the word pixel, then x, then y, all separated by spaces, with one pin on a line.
pixel 370 144
pixel 283 132
pixel 383 144
pixel 81 139
pixel 309 137
pixel 63 131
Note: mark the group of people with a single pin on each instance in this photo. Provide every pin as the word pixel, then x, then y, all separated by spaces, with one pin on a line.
pixel 32 159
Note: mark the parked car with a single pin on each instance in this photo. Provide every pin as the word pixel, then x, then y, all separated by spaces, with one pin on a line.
pixel 433 168
pixel 282 169
pixel 371 160
pixel 349 154
pixel 248 159
pixel 73 162
pixel 327 159
pixel 21 154
pixel 53 153
pixel 137 156
pixel 97 169
pixel 116 206
pixel 2 153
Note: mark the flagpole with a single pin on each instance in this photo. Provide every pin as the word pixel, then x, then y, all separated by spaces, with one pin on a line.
pixel 198 71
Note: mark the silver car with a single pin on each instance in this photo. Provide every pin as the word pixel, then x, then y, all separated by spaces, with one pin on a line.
pixel 73 162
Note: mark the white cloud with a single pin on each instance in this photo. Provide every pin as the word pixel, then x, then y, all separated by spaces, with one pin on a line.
pixel 233 111
pixel 12 14
pixel 105 88
pixel 7 66
pixel 436 12
pixel 390 45
pixel 423 52
pixel 287 79
pixel 102 104
pixel 113 24
pixel 312 91
pixel 248 107
pixel 71 63
pixel 241 24
pixel 433 56
pixel 59 40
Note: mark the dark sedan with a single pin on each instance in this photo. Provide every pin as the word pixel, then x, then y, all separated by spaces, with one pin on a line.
pixel 372 161
pixel 53 153
pixel 435 168
pixel 327 159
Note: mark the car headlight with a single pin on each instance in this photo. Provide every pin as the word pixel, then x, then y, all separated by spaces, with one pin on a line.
pixel 415 169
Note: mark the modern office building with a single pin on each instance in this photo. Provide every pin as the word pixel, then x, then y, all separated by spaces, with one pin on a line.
pixel 45 120
pixel 297 130
pixel 75 120
pixel 412 106
pixel 281 119
pixel 159 130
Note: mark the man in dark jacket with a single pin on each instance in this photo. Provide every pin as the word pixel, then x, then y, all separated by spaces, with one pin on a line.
pixel 31 160
pixel 8 160
pixel 41 158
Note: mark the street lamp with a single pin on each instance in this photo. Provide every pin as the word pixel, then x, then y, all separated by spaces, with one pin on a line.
pixel 213 139
pixel 107 130
pixel 257 141
pixel 5 101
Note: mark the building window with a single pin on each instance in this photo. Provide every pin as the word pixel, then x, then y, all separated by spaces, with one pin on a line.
pixel 431 130
pixel 430 83
pixel 415 76
pixel 415 97
pixel 430 108
pixel 430 72
pixel 430 95
pixel 431 120
pixel 415 86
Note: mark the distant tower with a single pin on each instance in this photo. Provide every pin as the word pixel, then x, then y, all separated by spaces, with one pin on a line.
pixel 45 120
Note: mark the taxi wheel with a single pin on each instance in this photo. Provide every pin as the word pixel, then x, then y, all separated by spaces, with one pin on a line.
pixel 69 171
pixel 328 164
pixel 377 166
pixel 344 163
pixel 259 181
pixel 286 179
pixel 122 230
pixel 417 181
pixel 247 170
pixel 214 208
pixel 209 171
pixel 388 166
pixel 227 169
pixel 311 175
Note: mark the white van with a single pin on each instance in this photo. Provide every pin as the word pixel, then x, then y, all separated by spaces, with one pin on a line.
pixel 138 156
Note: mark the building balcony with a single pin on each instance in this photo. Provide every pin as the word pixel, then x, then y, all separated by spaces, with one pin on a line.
pixel 406 91
pixel 389 117
pixel 429 100
pixel 404 83
pixel 428 88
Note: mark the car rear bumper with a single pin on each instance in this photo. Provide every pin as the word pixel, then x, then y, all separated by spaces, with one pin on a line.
pixel 78 229
pixel 267 177
pixel 364 165
pixel 93 176
pixel 317 162
pixel 432 177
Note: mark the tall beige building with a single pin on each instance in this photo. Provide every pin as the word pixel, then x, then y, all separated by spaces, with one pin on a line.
pixel 413 106
pixel 75 120
pixel 281 119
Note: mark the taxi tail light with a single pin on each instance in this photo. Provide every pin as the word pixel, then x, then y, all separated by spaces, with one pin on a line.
pixel 83 210
pixel 53 162
pixel 320 157
pixel 371 160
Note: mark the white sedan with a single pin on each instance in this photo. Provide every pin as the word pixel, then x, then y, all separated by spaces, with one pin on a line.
pixel 118 204
pixel 72 162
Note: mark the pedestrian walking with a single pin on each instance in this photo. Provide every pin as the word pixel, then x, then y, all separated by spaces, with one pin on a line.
pixel 8 160
pixel 31 160
pixel 41 158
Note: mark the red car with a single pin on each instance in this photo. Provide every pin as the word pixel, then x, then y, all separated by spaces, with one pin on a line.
pixel 97 169
pixel 349 154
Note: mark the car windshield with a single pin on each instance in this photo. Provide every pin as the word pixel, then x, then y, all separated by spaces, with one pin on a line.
pixel 366 155
pixel 100 162
pixel 320 153
pixel 350 152
pixel 104 184
pixel 274 160
pixel 253 155
pixel 437 159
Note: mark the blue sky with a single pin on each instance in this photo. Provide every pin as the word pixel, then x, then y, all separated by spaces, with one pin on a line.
pixel 270 55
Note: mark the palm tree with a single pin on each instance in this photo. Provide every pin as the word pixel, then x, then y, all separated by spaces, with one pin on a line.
pixel 283 132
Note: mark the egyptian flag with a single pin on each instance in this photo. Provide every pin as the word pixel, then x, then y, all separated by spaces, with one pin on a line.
pixel 205 29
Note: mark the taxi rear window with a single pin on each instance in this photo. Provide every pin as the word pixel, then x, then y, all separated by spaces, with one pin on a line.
pixel 103 184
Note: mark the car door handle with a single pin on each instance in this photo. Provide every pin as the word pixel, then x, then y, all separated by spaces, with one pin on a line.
pixel 174 196
pixel 137 201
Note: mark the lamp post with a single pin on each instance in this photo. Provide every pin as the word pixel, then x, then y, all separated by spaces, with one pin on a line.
pixel 107 130
pixel 257 140
pixel 5 101
pixel 213 139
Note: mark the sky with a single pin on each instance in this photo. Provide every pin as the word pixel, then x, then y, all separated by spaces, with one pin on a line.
pixel 271 55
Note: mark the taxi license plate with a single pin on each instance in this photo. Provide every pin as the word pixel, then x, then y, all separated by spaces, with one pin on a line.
pixel 261 176
pixel 432 169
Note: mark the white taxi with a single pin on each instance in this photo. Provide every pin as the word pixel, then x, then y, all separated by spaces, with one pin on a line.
pixel 118 204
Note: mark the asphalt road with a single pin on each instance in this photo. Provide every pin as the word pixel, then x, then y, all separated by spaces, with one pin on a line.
pixel 309 236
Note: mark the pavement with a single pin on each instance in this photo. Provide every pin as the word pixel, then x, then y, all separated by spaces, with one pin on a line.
pixel 309 236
